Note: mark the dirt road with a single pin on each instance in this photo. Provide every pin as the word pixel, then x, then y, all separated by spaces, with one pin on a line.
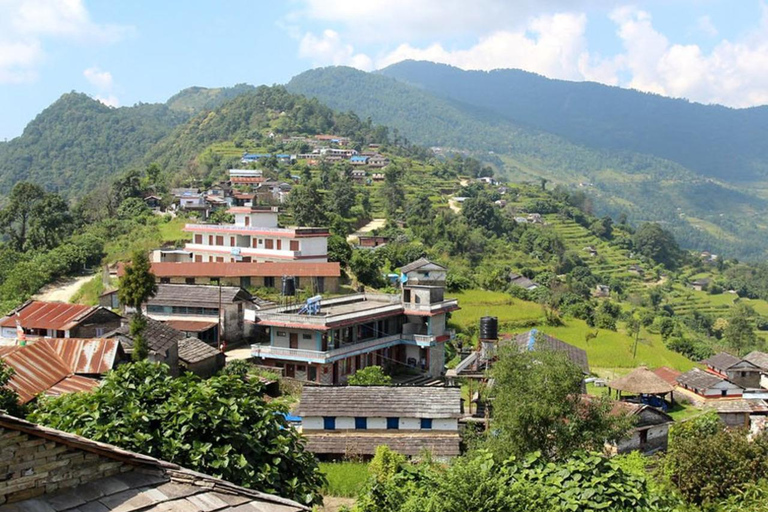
pixel 62 290
pixel 374 224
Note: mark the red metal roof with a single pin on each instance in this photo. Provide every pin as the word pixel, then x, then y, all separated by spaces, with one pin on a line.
pixel 48 315
pixel 241 269
pixel 88 356
pixel 72 384
pixel 190 325
pixel 667 374
pixel 246 179
pixel 38 368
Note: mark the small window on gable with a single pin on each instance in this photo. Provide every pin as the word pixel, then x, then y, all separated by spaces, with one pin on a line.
pixel 393 423
pixel 329 422
pixel 281 333
pixel 426 423
pixel 361 423
pixel 306 336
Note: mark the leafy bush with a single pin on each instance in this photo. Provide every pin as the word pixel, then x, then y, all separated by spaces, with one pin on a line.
pixel 370 376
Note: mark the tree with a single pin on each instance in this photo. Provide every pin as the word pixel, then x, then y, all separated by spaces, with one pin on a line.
pixel 221 426
pixel 306 205
pixel 739 333
pixel 538 406
pixel 366 267
pixel 342 197
pixel 657 244
pixel 480 212
pixel 392 191
pixel 135 287
pixel 9 399
pixel 16 217
pixel 339 250
pixel 370 376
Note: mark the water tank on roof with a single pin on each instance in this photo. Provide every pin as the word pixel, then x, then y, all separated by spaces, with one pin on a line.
pixel 289 286
pixel 489 328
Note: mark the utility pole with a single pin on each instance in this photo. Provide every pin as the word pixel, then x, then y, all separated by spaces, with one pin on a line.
pixel 218 329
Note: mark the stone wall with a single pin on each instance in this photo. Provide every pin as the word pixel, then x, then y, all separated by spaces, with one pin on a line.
pixel 31 466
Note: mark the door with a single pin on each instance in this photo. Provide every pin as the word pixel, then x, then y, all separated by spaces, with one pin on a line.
pixel 290 370
pixel 293 340
pixel 336 373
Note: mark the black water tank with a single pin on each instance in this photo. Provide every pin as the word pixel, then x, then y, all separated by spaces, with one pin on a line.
pixel 289 286
pixel 489 328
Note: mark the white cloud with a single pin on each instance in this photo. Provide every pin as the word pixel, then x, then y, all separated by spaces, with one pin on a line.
pixel 98 78
pixel 328 48
pixel 110 100
pixel 26 26
pixel 705 26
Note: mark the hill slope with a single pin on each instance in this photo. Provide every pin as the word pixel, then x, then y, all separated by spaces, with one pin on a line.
pixel 699 210
pixel 711 140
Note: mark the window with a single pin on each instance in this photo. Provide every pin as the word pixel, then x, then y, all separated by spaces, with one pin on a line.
pixel 189 280
pixel 294 246
pixel 279 244
pixel 231 241
pixel 361 423
pixel 269 243
pixel 723 392
pixel 245 282
pixel 199 239
pixel 329 422
pixel 165 280
pixel 280 333
pixel 100 332
pixel 426 423
pixel 312 374
pixel 269 282
pixel 215 280
pixel 301 368
pixel 393 423
pixel 306 336
pixel 210 239
pixel 219 239
pixel 198 258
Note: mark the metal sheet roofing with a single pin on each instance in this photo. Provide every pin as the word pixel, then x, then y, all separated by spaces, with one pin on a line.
pixel 190 325
pixel 48 315
pixel 88 356
pixel 245 269
pixel 73 384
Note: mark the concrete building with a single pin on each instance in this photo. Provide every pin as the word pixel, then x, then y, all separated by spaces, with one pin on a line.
pixel 355 420
pixel 326 340
pixel 255 236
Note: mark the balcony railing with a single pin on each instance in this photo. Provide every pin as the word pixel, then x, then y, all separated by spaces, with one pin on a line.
pixel 316 356
pixel 435 306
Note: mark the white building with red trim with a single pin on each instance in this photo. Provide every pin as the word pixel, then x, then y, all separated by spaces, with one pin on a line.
pixel 351 332
pixel 255 236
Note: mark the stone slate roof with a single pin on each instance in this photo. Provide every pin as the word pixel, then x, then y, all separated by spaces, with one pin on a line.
pixel 381 401
pixel 721 361
pixel 193 350
pixel 699 379
pixel 145 483
pixel 537 340
pixel 196 295
pixel 415 265
pixel 439 443
pixel 730 406
pixel 521 281
pixel 160 336
pixel 757 358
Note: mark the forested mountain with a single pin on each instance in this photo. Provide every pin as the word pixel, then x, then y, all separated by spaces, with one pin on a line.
pixel 77 142
pixel 711 140
pixel 194 99
pixel 704 213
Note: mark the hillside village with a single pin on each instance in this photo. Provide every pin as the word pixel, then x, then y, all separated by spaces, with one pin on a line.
pixel 264 266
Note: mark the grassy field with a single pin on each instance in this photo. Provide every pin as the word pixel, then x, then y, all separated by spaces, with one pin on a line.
pixel 88 294
pixel 609 353
pixel 345 479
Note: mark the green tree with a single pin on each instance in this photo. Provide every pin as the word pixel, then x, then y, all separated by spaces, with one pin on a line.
pixel 50 224
pixel 16 217
pixel 221 426
pixel 366 267
pixel 9 399
pixel 339 250
pixel 657 244
pixel 341 198
pixel 136 286
pixel 481 213
pixel 538 406
pixel 306 205
pixel 392 191
pixel 739 332
pixel 370 376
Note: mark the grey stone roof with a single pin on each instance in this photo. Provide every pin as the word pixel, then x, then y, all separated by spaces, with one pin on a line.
pixel 537 340
pixel 521 281
pixel 145 483
pixel 699 379
pixel 193 350
pixel 414 265
pixel 757 358
pixel 196 295
pixel 438 443
pixel 381 401
pixel 160 336
pixel 721 361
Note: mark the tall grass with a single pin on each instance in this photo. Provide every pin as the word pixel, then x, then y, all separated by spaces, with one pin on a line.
pixel 345 479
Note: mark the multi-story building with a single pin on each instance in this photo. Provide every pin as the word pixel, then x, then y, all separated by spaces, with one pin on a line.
pixel 326 340
pixel 255 236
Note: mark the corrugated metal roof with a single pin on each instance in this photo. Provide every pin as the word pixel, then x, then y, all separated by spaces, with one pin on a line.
pixel 48 315
pixel 241 269
pixel 38 368
pixel 190 325
pixel 73 384
pixel 668 374
pixel 88 356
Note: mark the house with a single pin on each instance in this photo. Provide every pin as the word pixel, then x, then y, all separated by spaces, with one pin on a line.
pixel 153 202
pixel 56 367
pixel 535 218
pixel 319 277
pixel 602 291
pixel 590 249
pixel 359 175
pixel 179 350
pixel 244 173
pixel 371 241
pixel 643 383
pixel 759 359
pixel 210 307
pixel 109 300
pixel 708 385
pixel 377 176
pixel 378 162
pixel 734 413
pixel 739 371
pixel 650 429
pixel 700 284
pixel 521 220
pixel 635 269
pixel 326 340
pixel 358 160
pixel 355 420
pixel 50 470
pixel 667 374
pixel 255 236
pixel 178 193
pixel 58 320
pixel 534 340
pixel 522 281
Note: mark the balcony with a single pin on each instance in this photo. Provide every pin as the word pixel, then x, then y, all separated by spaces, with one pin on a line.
pixel 435 307
pixel 242 251
pixel 329 356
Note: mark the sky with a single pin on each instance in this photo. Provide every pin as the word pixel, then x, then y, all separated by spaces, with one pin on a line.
pixel 122 53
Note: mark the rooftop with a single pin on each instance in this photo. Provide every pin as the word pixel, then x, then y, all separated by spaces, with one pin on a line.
pixel 757 358
pixel 536 340
pixel 381 401
pixel 160 337
pixel 699 379
pixel 197 295
pixel 721 361
pixel 242 269
pixel 48 315
pixel 642 381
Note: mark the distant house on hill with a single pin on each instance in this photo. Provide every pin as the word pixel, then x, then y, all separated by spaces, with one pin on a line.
pixel 700 284
pixel 708 385
pixel 522 281
pixel 602 291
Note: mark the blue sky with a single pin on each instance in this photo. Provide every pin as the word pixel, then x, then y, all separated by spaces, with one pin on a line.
pixel 711 51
